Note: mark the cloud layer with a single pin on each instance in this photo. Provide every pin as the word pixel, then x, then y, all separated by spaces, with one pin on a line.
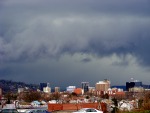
pixel 74 39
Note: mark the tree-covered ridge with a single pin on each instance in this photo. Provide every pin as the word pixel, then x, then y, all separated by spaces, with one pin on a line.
pixel 9 85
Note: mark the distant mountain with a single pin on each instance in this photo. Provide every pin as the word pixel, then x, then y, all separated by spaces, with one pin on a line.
pixel 11 86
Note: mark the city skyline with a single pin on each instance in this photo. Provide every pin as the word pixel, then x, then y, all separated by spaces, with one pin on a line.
pixel 68 42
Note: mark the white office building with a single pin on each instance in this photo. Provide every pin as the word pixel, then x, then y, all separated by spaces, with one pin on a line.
pixel 70 89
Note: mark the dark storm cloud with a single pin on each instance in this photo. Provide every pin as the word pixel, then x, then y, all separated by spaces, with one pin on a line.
pixel 34 30
pixel 102 27
pixel 86 60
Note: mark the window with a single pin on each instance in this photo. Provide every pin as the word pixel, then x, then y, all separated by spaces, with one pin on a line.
pixel 88 110
pixel 93 110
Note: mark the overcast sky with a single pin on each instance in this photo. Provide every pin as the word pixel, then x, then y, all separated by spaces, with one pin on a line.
pixel 66 42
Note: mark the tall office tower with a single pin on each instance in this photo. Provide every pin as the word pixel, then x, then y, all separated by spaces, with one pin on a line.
pixel 47 89
pixel 132 84
pixel 57 89
pixel 42 85
pixel 102 85
pixel 85 86
pixel 48 84
pixel 0 92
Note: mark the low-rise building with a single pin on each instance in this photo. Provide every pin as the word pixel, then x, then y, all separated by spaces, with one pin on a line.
pixel 70 89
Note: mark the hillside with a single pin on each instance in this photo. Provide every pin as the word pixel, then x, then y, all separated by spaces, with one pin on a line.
pixel 12 86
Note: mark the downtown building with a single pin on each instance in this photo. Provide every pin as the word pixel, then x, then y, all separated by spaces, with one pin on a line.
pixel 134 85
pixel 45 87
pixel 70 89
pixel 102 87
pixel 57 89
pixel 85 86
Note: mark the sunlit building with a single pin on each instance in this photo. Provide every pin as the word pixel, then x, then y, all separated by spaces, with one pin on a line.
pixel 91 89
pixel 0 92
pixel 20 90
pixel 47 89
pixel 78 91
pixel 57 89
pixel 132 84
pixel 70 89
pixel 136 89
pixel 42 85
pixel 102 85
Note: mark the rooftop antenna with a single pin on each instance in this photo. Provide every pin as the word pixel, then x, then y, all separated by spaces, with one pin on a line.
pixel 132 79
pixel 48 85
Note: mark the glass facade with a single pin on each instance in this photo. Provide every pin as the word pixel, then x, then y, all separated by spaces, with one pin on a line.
pixel 42 85
pixel 133 84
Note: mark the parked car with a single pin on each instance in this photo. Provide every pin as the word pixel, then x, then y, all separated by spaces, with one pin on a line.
pixel 36 111
pixel 88 110
pixel 9 111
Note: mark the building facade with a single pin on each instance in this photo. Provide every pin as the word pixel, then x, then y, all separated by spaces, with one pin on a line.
pixel 85 86
pixel 47 89
pixel 102 85
pixel 42 85
pixel 20 90
pixel 70 89
pixel 132 84
pixel 57 89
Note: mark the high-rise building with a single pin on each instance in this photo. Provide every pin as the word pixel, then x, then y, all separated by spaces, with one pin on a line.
pixel 102 85
pixel 132 84
pixel 0 92
pixel 85 86
pixel 47 89
pixel 43 85
pixel 57 89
